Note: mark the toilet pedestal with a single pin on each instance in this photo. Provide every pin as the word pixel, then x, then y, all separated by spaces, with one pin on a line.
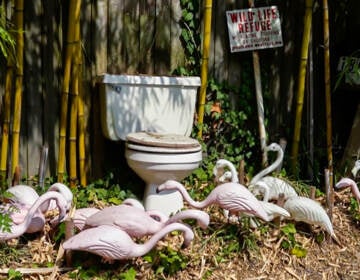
pixel 168 202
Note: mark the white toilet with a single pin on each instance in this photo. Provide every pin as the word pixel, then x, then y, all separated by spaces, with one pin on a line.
pixel 154 115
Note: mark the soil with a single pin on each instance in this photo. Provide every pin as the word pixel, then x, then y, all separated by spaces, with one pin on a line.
pixel 209 256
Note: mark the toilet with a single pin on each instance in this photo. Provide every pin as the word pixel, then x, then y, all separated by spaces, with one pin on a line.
pixel 154 116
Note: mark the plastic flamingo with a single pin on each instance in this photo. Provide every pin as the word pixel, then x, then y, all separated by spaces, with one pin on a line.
pixel 22 194
pixel 18 229
pixel 112 243
pixel 201 217
pixel 306 210
pixel 231 174
pixel 136 222
pixel 271 186
pixel 80 216
pixel 269 192
pixel 356 168
pixel 66 193
pixel 18 212
pixel 230 196
pixel 347 182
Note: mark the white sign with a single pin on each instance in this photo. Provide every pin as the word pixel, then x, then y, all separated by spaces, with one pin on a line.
pixel 255 28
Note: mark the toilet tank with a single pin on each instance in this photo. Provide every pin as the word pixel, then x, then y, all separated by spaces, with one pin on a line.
pixel 132 103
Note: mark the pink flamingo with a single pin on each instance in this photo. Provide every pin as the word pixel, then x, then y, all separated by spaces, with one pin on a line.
pixel 23 194
pixel 112 243
pixel 230 196
pixel 18 229
pixel 136 222
pixel 82 214
pixel 18 212
pixel 66 193
pixel 347 182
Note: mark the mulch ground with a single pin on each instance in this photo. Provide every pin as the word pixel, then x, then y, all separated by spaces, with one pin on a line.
pixel 269 260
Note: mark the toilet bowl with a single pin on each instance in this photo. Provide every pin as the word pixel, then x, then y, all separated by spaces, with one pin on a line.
pixel 154 116
pixel 159 157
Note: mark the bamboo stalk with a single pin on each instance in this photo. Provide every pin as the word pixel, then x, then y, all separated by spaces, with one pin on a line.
pixel 301 83
pixel 19 21
pixel 80 109
pixel 6 123
pixel 81 128
pixel 327 90
pixel 74 11
pixel 204 64
pixel 74 103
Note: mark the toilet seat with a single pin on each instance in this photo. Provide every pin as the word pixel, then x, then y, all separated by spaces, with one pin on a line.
pixel 162 143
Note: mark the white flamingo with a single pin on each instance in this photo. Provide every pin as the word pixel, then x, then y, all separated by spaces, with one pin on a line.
pixel 356 168
pixel 304 209
pixel 275 186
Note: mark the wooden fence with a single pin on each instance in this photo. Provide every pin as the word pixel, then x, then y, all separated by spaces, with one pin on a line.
pixel 127 36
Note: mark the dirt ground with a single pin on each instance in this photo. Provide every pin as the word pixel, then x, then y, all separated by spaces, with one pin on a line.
pixel 269 260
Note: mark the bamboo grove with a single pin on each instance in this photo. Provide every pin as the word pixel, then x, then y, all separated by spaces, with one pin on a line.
pixel 71 96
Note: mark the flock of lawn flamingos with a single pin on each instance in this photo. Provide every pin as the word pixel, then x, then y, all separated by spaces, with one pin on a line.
pixel 112 232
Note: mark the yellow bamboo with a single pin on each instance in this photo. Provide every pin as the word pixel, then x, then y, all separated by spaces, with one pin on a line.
pixel 327 91
pixel 204 64
pixel 301 83
pixel 80 110
pixel 19 21
pixel 6 122
pixel 74 12
pixel 74 103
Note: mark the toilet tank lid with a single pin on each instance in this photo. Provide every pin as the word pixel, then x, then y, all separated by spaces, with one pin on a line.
pixel 162 140
pixel 149 80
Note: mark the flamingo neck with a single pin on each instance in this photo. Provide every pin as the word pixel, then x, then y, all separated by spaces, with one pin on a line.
pixel 186 195
pixel 270 168
pixel 142 249
pixel 17 230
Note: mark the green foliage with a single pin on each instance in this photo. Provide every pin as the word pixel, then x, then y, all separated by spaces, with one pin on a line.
pixel 14 275
pixel 166 261
pixel 7 41
pixel 104 190
pixel 289 242
pixel 190 38
pixel 129 274
pixel 354 209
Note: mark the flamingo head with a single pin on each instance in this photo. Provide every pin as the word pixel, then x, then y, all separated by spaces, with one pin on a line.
pixel 273 147
pixel 344 182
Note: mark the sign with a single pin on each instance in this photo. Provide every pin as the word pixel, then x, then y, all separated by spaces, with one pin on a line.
pixel 255 28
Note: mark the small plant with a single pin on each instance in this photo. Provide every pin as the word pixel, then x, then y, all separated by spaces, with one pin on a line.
pixel 14 275
pixel 289 242
pixel 102 190
pixel 354 209
pixel 166 261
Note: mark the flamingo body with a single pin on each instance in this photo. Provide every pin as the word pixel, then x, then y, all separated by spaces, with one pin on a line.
pixel 233 197
pixel 23 194
pixel 112 243
pixel 139 223
pixel 18 229
pixel 306 210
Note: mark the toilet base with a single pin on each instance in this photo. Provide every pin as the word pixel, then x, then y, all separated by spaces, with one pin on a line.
pixel 168 202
